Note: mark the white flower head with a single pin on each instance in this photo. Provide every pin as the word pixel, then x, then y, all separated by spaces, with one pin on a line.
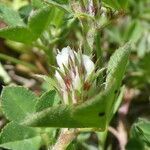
pixel 72 74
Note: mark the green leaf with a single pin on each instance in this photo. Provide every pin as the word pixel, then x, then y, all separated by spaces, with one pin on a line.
pixel 48 99
pixel 25 12
pixel 141 129
pixel 123 4
pixel 38 22
pixel 88 114
pixel 115 72
pixel 61 1
pixel 10 17
pixel 19 34
pixel 117 65
pixel 17 102
pixel 119 100
pixel 17 137
pixel 57 116
pixel 135 144
pixel 60 15
pixel 49 80
pixel 115 105
pixel 37 3
pixel 93 112
pixel 133 32
pixel 60 6
pixel 116 4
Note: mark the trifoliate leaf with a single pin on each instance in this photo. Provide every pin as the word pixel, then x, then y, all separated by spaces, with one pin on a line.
pixel 17 137
pixel 17 102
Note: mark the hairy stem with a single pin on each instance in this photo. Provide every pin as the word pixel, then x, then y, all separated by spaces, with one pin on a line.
pixel 65 138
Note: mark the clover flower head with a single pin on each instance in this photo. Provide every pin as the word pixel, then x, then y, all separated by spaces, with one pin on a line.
pixel 73 75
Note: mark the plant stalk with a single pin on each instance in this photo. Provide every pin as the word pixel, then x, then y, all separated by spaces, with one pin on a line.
pixel 65 138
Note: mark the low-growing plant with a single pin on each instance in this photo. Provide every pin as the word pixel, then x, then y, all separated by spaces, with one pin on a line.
pixel 85 92
pixel 78 101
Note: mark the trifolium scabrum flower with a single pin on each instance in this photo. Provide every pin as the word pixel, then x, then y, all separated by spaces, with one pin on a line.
pixel 74 75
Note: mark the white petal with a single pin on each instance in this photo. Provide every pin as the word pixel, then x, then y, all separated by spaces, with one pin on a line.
pixel 60 80
pixel 88 64
pixel 73 98
pixel 63 57
pixel 76 82
pixel 69 51
pixel 65 97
